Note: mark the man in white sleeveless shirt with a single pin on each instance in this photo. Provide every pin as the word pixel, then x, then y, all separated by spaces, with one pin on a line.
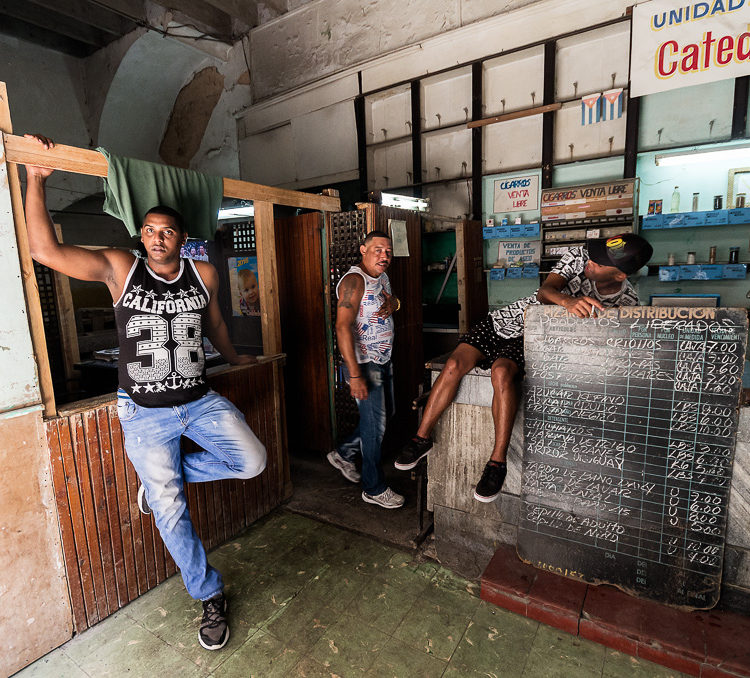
pixel 364 330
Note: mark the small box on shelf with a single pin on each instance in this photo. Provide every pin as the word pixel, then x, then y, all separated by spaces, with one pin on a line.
pixel 531 271
pixel 653 221
pixel 740 215
pixel 669 273
pixel 734 271
pixel 701 272
pixel 514 272
pixel 715 217
pixel 497 274
pixel 531 230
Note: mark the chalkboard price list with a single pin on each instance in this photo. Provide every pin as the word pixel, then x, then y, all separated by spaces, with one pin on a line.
pixel 630 426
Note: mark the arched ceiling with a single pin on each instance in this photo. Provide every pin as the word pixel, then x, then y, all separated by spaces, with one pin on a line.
pixel 142 93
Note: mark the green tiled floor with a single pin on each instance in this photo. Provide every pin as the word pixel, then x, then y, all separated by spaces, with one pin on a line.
pixel 309 600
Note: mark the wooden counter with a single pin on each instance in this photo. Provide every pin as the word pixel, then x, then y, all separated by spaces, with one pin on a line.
pixel 113 553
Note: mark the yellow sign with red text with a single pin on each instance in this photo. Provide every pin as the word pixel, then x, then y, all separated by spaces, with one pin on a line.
pixel 679 44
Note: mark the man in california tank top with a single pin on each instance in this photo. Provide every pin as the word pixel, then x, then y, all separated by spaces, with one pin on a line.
pixel 163 307
pixel 364 331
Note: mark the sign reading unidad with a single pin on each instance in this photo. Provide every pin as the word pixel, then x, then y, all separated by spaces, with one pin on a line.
pixel 678 43
pixel 517 194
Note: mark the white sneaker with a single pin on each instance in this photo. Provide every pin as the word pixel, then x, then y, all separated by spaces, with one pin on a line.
pixel 388 499
pixel 347 468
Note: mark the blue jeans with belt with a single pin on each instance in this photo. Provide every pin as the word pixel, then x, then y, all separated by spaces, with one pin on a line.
pixel 374 412
pixel 152 443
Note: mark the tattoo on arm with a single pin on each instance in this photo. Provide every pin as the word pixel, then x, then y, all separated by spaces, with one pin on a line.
pixel 347 290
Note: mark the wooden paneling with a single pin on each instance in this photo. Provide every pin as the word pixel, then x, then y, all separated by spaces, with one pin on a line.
pixel 113 553
pixel 303 329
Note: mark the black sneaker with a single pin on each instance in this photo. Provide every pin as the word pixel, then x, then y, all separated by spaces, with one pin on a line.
pixel 493 477
pixel 412 452
pixel 214 631
pixel 143 506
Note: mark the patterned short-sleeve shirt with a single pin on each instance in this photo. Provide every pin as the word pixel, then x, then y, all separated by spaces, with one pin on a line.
pixel 508 320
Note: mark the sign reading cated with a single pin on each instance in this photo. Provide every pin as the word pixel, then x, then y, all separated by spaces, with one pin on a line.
pixel 678 43
pixel 517 194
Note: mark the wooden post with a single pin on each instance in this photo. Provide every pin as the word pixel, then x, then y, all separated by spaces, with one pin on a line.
pixel 66 320
pixel 33 305
pixel 268 277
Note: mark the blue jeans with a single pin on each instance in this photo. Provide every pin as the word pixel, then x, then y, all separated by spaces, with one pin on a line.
pixel 152 443
pixel 373 415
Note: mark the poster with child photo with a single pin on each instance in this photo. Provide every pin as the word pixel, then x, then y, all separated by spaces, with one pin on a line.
pixel 243 278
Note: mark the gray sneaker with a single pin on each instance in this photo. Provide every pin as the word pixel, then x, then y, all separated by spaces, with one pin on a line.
pixel 214 630
pixel 388 499
pixel 347 468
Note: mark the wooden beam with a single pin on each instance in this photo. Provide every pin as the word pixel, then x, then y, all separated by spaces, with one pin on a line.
pixel 66 320
pixel 203 16
pixel 54 22
pixel 244 11
pixel 93 15
pixel 33 305
pixel 83 161
pixel 535 110
pixel 268 275
pixel 39 36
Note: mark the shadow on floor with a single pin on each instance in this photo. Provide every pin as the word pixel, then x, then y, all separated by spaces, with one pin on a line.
pixel 321 492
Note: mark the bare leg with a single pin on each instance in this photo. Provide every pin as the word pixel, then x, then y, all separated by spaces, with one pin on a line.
pixel 504 404
pixel 464 358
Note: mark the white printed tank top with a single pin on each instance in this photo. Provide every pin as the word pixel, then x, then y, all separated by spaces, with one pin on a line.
pixel 373 336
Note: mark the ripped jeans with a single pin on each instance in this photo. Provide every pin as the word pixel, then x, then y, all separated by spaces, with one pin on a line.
pixel 374 412
pixel 152 443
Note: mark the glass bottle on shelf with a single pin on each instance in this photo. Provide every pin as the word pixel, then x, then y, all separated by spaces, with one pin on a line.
pixel 675 204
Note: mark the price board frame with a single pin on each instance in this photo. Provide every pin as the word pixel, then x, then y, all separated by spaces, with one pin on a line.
pixel 630 428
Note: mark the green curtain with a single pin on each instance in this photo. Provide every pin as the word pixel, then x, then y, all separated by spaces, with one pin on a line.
pixel 132 187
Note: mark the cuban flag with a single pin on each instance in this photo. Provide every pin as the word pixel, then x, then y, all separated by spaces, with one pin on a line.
pixel 612 104
pixel 590 110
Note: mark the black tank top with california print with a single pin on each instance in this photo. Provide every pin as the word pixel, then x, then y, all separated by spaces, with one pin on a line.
pixel 159 326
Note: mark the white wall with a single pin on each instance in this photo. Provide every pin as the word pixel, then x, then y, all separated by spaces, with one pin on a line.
pixel 309 59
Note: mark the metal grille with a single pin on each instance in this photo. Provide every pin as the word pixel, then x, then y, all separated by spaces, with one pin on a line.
pixel 46 283
pixel 243 236
pixel 348 230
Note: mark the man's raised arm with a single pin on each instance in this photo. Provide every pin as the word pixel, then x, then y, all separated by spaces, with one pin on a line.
pixel 109 266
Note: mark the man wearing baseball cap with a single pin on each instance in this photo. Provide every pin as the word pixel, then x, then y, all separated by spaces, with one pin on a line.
pixel 585 279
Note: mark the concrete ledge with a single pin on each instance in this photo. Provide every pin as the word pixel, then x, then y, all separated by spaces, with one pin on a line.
pixel 708 644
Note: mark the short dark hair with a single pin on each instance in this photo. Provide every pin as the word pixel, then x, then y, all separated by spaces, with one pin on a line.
pixel 375 234
pixel 179 222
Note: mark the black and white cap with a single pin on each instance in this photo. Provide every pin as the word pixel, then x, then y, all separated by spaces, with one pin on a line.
pixel 627 251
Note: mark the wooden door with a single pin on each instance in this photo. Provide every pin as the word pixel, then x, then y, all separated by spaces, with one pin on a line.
pixel 303 331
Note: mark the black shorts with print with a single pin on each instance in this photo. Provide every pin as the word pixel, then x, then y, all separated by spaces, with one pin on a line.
pixel 484 338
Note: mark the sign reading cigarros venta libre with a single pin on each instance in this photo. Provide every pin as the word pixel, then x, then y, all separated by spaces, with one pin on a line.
pixel 678 43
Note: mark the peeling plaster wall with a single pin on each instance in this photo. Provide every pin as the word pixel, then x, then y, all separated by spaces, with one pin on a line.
pixel 310 59
pixel 327 36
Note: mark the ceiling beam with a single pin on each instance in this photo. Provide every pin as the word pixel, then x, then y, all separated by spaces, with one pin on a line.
pixel 44 38
pixel 53 22
pixel 89 13
pixel 206 18
pixel 244 11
